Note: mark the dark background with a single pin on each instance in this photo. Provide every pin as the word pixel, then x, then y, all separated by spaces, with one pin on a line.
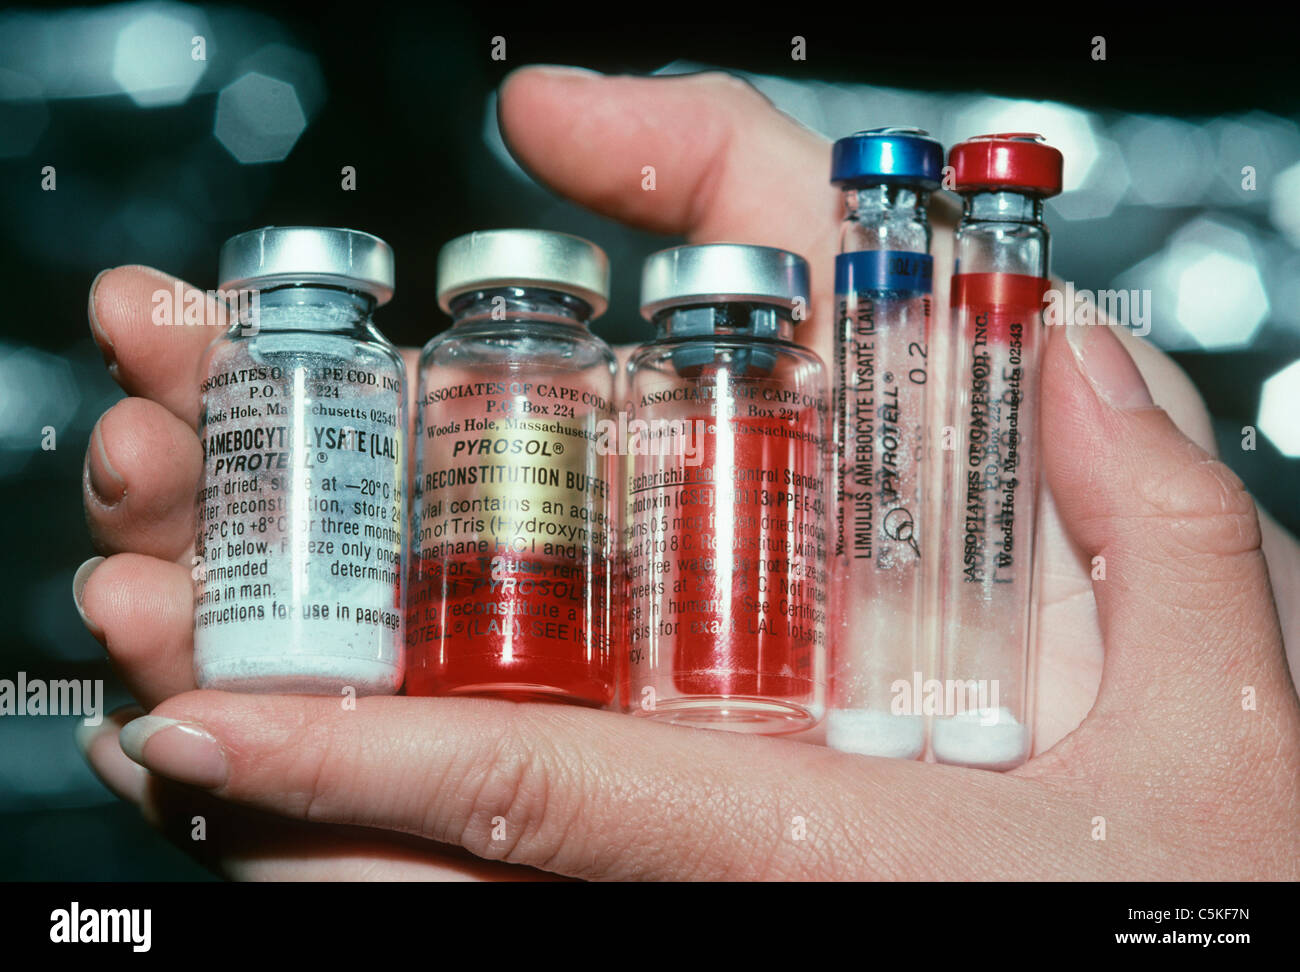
pixel 405 96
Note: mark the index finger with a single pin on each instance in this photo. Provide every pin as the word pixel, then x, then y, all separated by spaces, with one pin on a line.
pixel 702 155
pixel 129 309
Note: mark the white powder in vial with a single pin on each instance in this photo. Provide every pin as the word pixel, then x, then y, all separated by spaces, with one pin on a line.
pixel 300 522
pixel 982 738
pixel 874 733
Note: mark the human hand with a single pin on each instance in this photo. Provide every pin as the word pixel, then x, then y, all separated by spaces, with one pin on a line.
pixel 1191 785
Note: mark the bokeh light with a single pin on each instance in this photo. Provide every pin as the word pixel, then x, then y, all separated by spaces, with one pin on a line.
pixel 1279 409
pixel 1221 298
pixel 1170 161
pixel 259 119
pixel 1284 203
pixel 37 392
pixel 155 60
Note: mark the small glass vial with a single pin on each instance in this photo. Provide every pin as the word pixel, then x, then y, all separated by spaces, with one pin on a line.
pixel 512 514
pixel 882 298
pixel 990 501
pixel 724 554
pixel 301 549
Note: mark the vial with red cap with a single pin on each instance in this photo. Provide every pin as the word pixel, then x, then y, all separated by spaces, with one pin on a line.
pixel 990 450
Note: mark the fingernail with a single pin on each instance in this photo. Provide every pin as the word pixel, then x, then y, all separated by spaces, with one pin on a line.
pixel 564 71
pixel 100 335
pixel 108 485
pixel 86 735
pixel 1108 366
pixel 178 750
pixel 78 589
pixel 99 747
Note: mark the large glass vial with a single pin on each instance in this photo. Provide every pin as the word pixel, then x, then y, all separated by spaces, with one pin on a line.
pixel 512 514
pixel 724 555
pixel 300 548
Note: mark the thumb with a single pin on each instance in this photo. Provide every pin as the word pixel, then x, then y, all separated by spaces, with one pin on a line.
pixel 1182 590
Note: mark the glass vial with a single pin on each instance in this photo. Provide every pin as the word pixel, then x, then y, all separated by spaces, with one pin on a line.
pixel 882 298
pixel 726 518
pixel 301 548
pixel 987 571
pixel 512 511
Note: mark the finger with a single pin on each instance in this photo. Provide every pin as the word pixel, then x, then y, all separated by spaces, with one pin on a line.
pixel 711 139
pixel 1185 606
pixel 1282 552
pixel 600 795
pixel 1069 646
pixel 1170 388
pixel 726 165
pixel 138 484
pixel 155 361
pixel 125 779
pixel 142 609
pixel 249 845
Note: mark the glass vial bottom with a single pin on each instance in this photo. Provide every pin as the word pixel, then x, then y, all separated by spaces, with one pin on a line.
pixel 758 714
pixel 296 674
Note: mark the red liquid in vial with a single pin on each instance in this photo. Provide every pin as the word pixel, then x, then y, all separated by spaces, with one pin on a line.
pixel 741 650
pixel 520 627
pixel 745 530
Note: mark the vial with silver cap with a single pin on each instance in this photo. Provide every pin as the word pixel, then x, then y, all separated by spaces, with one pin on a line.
pixel 512 512
pixel 301 548
pixel 725 527
pixel 882 298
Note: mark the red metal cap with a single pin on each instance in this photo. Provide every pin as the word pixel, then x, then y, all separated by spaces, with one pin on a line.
pixel 1014 160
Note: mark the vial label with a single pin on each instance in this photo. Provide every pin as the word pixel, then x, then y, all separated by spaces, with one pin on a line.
pixel 725 541
pixel 512 542
pixel 998 317
pixel 883 311
pixel 300 515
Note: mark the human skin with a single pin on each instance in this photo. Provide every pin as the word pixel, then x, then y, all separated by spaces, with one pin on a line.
pixel 1141 676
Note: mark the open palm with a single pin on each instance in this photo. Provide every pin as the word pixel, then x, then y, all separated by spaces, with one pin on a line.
pixel 413 787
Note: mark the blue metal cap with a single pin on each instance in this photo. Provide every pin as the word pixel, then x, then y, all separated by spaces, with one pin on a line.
pixel 906 155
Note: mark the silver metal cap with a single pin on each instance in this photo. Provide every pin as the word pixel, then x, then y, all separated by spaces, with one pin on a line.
pixel 273 255
pixel 716 272
pixel 524 258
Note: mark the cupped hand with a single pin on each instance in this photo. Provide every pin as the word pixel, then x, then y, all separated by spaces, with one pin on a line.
pixel 1168 723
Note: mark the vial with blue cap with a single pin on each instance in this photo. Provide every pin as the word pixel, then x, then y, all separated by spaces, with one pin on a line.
pixel 882 317
pixel 725 528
